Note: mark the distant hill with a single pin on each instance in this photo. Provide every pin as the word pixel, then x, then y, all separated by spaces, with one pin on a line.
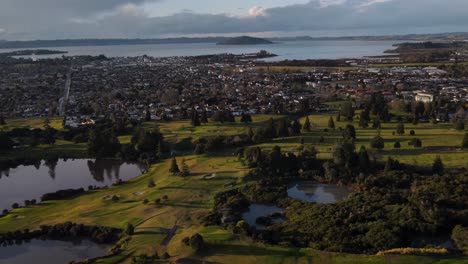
pixel 244 40
pixel 27 44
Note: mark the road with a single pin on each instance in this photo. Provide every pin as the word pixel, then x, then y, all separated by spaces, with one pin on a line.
pixel 63 101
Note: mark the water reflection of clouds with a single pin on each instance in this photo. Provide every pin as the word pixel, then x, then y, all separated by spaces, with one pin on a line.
pixel 318 193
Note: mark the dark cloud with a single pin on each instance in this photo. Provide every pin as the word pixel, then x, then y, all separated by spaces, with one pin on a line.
pixel 53 18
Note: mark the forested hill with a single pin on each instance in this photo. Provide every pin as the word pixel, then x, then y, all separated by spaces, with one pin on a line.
pixel 244 40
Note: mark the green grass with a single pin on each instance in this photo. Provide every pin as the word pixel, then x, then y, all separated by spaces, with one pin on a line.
pixel 304 68
pixel 439 135
pixel 191 197
pixel 55 122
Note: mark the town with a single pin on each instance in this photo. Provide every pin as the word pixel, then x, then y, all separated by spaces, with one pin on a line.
pixel 85 89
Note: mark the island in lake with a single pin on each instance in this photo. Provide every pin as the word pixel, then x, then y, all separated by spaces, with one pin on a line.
pixel 244 40
pixel 32 52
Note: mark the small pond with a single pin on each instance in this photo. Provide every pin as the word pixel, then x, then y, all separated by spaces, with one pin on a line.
pixel 51 252
pixel 32 181
pixel 258 210
pixel 318 193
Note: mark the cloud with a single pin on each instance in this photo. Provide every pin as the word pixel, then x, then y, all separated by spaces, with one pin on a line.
pixel 256 11
pixel 127 18
pixel 129 9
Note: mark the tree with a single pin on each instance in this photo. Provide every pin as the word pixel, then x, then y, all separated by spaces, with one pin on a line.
pixel 246 118
pixel 2 120
pixel 185 169
pixel 364 119
pixel 195 119
pixel 151 183
pixel 363 158
pixel 5 141
pixel 376 124
pixel 459 124
pixel 250 133
pixel 331 123
pixel 282 128
pixel 199 149
pixel 377 142
pixel 196 242
pixel 46 123
pixel 349 132
pixel 347 111
pixel 438 166
pixel 415 142
pixel 270 129
pixel 465 141
pixel 391 165
pixel 296 127
pixel 307 126
pixel 204 118
pixel 103 143
pixel 129 229
pixel 400 129
pixel 174 169
pixel 148 115
pixel 397 145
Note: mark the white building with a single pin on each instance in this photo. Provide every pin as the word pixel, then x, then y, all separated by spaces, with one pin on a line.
pixel 424 97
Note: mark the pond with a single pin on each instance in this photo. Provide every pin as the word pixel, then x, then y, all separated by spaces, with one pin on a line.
pixel 318 193
pixel 51 251
pixel 258 210
pixel 31 182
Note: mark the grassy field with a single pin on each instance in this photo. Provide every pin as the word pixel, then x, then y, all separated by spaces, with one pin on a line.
pixel 442 136
pixel 55 122
pixel 189 198
pixel 304 68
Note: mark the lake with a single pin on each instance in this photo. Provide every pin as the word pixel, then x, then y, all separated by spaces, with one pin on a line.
pixel 318 193
pixel 316 49
pixel 51 252
pixel 257 210
pixel 31 182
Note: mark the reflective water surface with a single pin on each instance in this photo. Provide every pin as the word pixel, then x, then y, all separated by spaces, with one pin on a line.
pixel 51 252
pixel 318 193
pixel 32 181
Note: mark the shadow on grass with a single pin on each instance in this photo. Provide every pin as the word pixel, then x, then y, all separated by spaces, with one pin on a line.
pixel 194 261
pixel 241 250
pixel 149 233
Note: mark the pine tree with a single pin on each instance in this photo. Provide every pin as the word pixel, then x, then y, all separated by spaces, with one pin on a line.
pixel 331 123
pixel 250 133
pixel 465 141
pixel 282 129
pixel 195 119
pixel 388 165
pixel 2 120
pixel 364 120
pixel 349 132
pixel 347 111
pixel 204 118
pixel 147 115
pixel 246 118
pixel 270 130
pixel 459 124
pixel 400 129
pixel 364 160
pixel 46 123
pixel 438 166
pixel 174 169
pixel 185 169
pixel 307 126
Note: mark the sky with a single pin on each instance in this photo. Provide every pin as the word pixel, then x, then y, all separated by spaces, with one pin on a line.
pixel 69 19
